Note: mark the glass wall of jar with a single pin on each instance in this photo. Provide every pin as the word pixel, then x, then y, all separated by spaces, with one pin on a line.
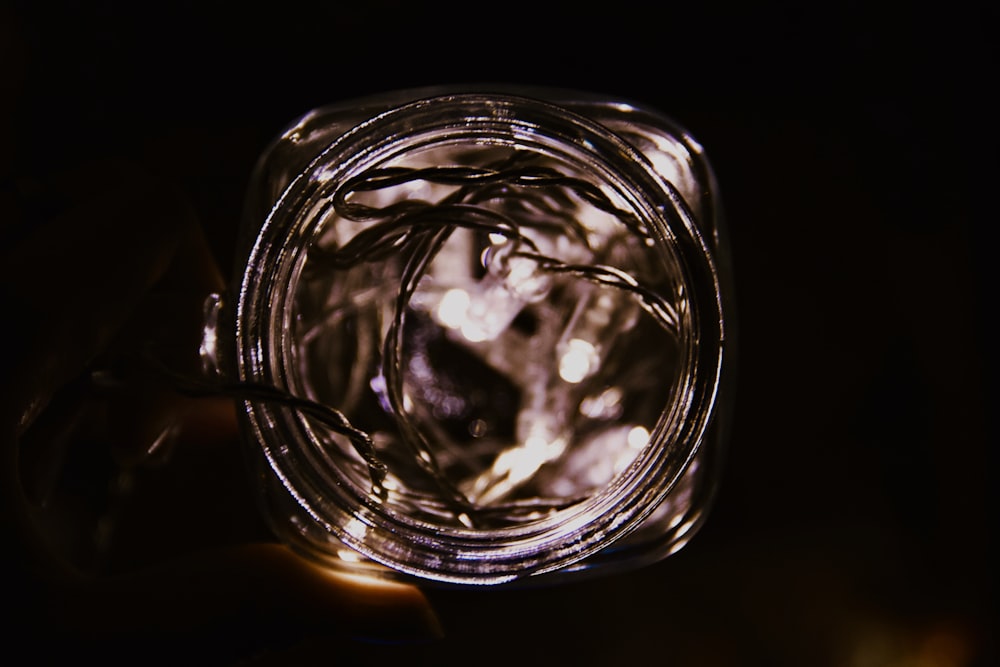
pixel 490 332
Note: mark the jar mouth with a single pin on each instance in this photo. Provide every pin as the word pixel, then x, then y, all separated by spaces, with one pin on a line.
pixel 590 325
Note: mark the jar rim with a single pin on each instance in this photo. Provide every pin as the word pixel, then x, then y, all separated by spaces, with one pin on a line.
pixel 495 555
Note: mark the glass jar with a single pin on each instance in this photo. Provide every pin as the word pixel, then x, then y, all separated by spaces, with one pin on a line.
pixel 485 334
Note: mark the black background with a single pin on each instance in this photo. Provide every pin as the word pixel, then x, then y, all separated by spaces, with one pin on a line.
pixel 855 151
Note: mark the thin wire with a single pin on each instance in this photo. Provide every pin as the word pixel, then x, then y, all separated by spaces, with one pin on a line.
pixel 330 417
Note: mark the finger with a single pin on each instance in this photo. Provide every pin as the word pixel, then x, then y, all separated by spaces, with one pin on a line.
pixel 240 601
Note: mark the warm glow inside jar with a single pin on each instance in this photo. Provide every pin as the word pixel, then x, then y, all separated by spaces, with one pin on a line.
pixel 510 306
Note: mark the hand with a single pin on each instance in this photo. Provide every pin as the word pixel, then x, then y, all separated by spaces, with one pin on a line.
pixel 129 516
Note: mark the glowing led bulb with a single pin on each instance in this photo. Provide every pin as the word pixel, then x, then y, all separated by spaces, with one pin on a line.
pixel 578 360
pixel 482 310
pixel 452 309
pixel 638 437
pixel 513 467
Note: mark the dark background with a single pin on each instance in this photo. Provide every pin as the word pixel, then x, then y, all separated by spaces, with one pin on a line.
pixel 855 151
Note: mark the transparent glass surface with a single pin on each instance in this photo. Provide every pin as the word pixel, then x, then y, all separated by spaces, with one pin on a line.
pixel 513 310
